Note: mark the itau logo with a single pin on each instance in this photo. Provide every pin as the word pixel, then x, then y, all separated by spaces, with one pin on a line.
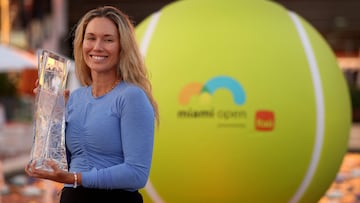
pixel 235 116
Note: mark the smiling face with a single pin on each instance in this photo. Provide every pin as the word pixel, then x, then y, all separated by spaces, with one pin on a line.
pixel 101 46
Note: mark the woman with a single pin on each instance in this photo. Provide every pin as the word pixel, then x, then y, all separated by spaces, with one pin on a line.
pixel 110 120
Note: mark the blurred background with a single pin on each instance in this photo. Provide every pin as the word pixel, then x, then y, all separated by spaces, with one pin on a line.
pixel 29 25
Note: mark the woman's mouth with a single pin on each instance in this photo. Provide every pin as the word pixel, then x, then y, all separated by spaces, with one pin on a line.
pixel 98 58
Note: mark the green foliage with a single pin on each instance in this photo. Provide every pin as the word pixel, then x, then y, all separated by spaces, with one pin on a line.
pixel 7 86
pixel 355 103
pixel 355 97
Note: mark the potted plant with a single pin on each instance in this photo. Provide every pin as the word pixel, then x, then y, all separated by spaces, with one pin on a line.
pixel 355 103
pixel 8 95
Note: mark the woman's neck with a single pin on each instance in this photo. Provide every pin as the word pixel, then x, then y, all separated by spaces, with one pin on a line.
pixel 100 88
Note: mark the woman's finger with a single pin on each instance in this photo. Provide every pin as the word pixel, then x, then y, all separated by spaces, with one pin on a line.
pixel 29 168
pixel 35 90
pixel 66 95
pixel 52 165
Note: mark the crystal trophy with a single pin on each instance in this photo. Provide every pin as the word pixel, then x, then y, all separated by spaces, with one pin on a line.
pixel 49 112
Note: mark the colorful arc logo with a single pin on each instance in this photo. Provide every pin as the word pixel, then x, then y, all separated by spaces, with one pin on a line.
pixel 210 87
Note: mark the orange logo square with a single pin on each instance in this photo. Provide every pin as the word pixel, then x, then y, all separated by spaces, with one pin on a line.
pixel 264 120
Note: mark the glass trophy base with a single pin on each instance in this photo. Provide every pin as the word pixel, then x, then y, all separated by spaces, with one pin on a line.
pixel 43 164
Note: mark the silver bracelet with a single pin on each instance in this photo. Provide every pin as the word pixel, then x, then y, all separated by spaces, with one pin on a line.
pixel 75 180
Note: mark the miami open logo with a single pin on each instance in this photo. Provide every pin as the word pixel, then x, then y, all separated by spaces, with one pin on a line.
pixel 227 116
pixel 210 87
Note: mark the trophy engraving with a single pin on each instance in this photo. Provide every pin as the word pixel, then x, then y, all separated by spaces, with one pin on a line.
pixel 49 112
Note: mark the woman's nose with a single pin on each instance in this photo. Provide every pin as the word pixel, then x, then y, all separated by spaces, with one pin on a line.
pixel 98 45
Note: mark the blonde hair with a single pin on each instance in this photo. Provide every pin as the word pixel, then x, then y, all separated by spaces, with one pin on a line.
pixel 131 68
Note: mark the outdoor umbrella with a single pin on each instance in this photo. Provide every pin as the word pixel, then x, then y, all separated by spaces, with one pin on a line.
pixel 15 59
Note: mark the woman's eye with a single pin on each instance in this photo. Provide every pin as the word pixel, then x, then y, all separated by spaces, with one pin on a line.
pixel 90 38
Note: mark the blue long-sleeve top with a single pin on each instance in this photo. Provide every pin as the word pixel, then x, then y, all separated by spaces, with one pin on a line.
pixel 109 139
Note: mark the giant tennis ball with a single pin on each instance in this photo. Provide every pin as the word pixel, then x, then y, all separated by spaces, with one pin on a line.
pixel 253 106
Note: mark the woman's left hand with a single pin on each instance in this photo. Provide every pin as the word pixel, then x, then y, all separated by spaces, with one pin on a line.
pixel 55 174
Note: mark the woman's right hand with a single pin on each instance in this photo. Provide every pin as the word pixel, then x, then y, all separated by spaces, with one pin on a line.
pixel 66 91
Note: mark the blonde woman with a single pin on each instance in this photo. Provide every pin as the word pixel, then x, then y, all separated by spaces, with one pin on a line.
pixel 110 119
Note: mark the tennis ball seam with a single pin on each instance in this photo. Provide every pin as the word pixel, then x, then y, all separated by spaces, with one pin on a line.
pixel 320 112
